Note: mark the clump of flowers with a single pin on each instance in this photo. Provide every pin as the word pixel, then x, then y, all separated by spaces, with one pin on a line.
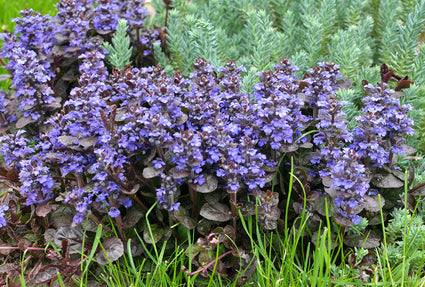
pixel 381 127
pixel 26 50
pixel 118 139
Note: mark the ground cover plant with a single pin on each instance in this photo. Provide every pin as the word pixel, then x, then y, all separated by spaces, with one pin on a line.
pixel 107 157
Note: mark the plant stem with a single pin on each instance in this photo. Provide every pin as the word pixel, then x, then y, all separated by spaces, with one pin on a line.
pixel 193 199
pixel 233 204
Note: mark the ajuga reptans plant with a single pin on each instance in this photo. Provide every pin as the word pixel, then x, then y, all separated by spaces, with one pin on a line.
pixel 90 139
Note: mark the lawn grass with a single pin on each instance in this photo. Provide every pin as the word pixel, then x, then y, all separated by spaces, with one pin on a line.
pixel 10 10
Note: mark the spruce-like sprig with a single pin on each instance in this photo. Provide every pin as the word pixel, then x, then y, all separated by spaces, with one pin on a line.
pixel 120 50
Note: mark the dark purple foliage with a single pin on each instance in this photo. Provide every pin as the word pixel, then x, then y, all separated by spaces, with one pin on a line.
pixel 102 141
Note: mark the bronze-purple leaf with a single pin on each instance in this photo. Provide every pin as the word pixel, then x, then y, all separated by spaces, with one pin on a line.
pixel 368 259
pixel 322 202
pixel 151 172
pixel 342 220
pixel 204 226
pixel 371 203
pixel 132 217
pixel 418 190
pixel 208 186
pixel 177 174
pixel 344 84
pixel 113 249
pixel 157 233
pixel 367 241
pixel 134 190
pixel 289 148
pixel 67 140
pixel 47 273
pixel 13 269
pixel 74 235
pixel 43 209
pixel 387 181
pixel 404 84
pixel 226 235
pixel 88 141
pixel 136 248
pixel 219 212
pixel 150 156
pixel 351 260
pixel 182 215
pixel 22 122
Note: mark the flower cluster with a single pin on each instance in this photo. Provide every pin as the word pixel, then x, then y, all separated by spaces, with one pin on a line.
pixel 139 135
pixel 27 50
pixel 108 12
pixel 279 109
pixel 15 148
pixel 381 127
pixel 6 116
pixel 320 83
pixel 332 133
pixel 73 23
pixel 3 209
pixel 349 184
pixel 36 179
